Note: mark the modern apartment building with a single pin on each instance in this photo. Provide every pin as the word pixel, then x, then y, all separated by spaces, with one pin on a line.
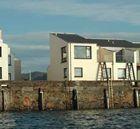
pixel 74 57
pixel 6 61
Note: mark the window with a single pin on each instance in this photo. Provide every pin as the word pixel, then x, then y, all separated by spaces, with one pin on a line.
pixel 108 73
pixel 0 52
pixel 9 74
pixel 119 56
pixel 78 72
pixel 125 55
pixel 0 72
pixel 9 60
pixel 63 54
pixel 65 72
pixel 121 73
pixel 82 52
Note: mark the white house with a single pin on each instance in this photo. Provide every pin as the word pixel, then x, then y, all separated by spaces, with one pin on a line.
pixel 74 57
pixel 6 61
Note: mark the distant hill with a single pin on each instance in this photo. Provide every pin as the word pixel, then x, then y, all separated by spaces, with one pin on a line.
pixel 35 76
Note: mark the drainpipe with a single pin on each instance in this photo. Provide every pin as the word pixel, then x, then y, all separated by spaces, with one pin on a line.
pixel 70 78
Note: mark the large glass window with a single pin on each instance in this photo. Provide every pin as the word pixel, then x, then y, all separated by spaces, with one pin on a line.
pixel 63 54
pixel 121 73
pixel 78 72
pixel 108 73
pixel 0 72
pixel 82 52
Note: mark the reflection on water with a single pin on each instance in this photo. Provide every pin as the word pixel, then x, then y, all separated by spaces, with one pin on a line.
pixel 93 119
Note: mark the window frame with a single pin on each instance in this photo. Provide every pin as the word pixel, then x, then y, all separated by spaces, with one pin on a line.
pixel 81 71
pixel 119 57
pixel 0 51
pixel 65 71
pixel 86 52
pixel 0 72
pixel 63 59
pixel 9 60
pixel 9 76
pixel 109 75
pixel 124 73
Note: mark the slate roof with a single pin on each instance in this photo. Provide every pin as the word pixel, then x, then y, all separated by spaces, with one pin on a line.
pixel 74 38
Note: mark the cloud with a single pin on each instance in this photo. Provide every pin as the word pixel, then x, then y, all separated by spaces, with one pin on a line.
pixel 35 64
pixel 32 48
pixel 28 37
pixel 124 11
pixel 130 36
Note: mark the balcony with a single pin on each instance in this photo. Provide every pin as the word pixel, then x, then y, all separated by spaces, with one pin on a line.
pixel 124 56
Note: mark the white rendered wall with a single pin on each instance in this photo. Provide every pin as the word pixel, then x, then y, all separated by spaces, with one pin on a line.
pixel 89 66
pixel 4 61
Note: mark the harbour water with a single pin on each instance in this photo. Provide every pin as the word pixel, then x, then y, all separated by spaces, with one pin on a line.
pixel 89 119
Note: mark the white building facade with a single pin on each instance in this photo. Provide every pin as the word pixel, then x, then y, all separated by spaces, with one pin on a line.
pixel 6 61
pixel 76 58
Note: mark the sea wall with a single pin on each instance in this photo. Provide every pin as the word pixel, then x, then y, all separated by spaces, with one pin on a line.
pixel 46 95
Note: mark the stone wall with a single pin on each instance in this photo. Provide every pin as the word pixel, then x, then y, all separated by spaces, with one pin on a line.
pixel 24 95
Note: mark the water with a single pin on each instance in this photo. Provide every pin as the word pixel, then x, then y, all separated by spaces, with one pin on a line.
pixel 93 119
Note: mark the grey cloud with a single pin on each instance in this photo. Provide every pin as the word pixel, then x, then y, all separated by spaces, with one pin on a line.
pixel 31 36
pixel 133 37
pixel 126 11
pixel 32 48
pixel 35 64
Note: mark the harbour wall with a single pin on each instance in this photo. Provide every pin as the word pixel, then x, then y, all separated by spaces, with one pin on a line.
pixel 67 95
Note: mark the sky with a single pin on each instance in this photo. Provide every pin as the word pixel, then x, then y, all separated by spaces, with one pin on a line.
pixel 26 24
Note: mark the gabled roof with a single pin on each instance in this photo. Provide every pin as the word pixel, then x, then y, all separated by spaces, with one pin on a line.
pixel 74 38
pixel 112 43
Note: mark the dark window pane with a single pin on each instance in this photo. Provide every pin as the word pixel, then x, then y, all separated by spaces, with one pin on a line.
pixel 63 54
pixel 0 51
pixel 65 72
pixel 119 56
pixel 125 56
pixel 9 60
